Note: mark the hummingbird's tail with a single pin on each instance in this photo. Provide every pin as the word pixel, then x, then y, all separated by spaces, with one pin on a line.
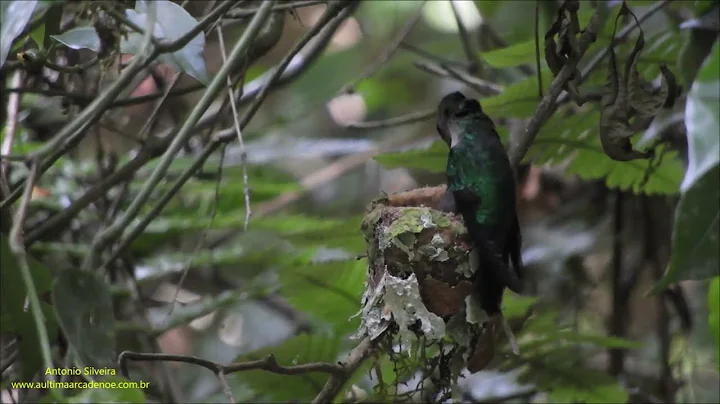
pixel 490 256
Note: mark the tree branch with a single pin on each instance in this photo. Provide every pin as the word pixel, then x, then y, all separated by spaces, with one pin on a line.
pixel 330 26
pixel 245 13
pixel 236 57
pixel 300 63
pixel 388 52
pixel 18 249
pixel 548 104
pixel 337 379
pixel 339 373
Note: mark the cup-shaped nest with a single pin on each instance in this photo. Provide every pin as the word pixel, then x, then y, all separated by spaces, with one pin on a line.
pixel 419 280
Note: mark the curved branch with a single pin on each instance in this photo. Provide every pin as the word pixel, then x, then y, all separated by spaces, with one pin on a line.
pixel 339 372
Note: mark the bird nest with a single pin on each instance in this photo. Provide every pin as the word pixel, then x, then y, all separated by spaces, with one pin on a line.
pixel 419 283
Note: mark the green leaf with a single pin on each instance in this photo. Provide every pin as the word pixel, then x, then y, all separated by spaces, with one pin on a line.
pixel 513 55
pixel 13 19
pixel 519 99
pixel 696 233
pixel 172 22
pixel 702 118
pixel 79 38
pixel 599 388
pixel 53 15
pixel 576 139
pixel 329 291
pixel 38 35
pixel 433 158
pixel 12 314
pixel 714 315
pixel 552 361
pixel 559 373
pixel 84 309
pixel 375 92
pixel 514 305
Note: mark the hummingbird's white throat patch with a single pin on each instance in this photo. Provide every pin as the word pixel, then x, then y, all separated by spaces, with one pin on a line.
pixel 455 133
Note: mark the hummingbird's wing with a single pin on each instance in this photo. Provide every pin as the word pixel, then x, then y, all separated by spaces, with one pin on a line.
pixel 467 203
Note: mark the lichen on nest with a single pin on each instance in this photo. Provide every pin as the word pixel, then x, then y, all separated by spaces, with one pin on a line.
pixel 419 276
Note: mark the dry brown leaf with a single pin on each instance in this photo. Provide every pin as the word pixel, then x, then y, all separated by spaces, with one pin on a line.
pixel 567 28
pixel 629 96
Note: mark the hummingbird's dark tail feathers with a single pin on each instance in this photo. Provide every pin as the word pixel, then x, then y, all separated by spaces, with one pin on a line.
pixel 514 249
pixel 490 255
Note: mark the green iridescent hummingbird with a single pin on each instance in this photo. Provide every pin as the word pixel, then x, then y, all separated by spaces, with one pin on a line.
pixel 481 188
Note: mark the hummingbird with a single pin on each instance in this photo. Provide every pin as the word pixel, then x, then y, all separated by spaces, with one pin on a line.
pixel 481 188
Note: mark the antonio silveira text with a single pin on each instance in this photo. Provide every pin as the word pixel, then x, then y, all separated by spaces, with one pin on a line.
pixel 75 371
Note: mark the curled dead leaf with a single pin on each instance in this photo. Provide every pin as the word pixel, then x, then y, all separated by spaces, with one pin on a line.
pixel 629 96
pixel 567 28
pixel 443 299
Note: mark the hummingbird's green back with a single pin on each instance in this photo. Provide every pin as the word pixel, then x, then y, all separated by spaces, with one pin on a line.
pixel 479 163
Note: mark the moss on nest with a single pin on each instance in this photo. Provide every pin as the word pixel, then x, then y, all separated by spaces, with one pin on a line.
pixel 419 275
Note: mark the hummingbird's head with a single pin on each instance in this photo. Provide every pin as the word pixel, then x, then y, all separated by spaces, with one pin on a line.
pixel 452 108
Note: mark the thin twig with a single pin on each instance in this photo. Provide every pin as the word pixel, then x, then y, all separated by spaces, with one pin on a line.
pixel 73 132
pixel 121 18
pixel 227 136
pixel 13 108
pixel 124 173
pixel 537 48
pixel 337 379
pixel 471 55
pixel 203 236
pixel 153 115
pixel 84 99
pixel 548 104
pixel 206 21
pixel 157 209
pixel 483 87
pixel 236 122
pixel 269 364
pixel 339 372
pixel 388 52
pixel 330 13
pixel 236 56
pixel 226 387
pixel 18 249
pixel 400 120
pixel 619 38
pixel 431 57
pixel 305 59
pixel 245 13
